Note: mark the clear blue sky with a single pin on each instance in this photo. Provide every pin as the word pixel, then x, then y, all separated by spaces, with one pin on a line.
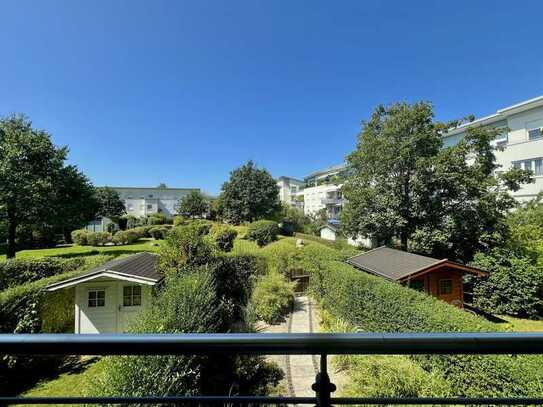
pixel 182 92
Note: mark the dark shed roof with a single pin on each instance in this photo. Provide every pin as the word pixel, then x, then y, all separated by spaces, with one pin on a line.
pixel 141 265
pixel 396 264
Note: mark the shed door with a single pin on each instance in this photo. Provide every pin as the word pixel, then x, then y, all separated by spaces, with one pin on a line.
pixel 131 299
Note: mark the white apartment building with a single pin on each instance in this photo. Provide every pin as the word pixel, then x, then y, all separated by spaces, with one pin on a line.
pixel 141 202
pixel 289 188
pixel 521 140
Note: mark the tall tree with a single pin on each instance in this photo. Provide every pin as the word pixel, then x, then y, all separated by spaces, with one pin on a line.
pixel 444 202
pixel 30 165
pixel 75 201
pixel 110 204
pixel 251 193
pixel 193 205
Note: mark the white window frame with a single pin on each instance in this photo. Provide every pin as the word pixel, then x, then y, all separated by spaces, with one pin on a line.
pixel 131 295
pixel 97 303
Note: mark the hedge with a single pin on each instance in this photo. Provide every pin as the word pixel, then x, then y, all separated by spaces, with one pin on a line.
pixel 273 297
pixel 262 232
pixel 373 304
pixel 223 236
pixel 28 308
pixel 19 271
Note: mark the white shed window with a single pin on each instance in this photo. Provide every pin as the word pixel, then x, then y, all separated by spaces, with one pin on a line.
pixel 131 295
pixel 97 298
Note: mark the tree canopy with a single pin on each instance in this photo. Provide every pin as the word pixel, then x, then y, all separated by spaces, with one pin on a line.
pixel 193 205
pixel 110 204
pixel 250 194
pixel 440 201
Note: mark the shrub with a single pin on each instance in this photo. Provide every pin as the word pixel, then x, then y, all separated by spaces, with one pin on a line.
pixel 179 220
pixel 120 238
pixel 514 285
pixel 92 239
pixel 142 231
pixel 159 232
pixel 187 304
pixel 132 236
pixel 262 232
pixel 373 304
pixel 223 236
pixel 19 271
pixel 156 219
pixel 79 237
pixel 273 297
pixel 184 245
pixel 201 225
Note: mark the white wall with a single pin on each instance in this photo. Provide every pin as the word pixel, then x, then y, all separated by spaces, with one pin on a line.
pixel 143 201
pixel 113 317
pixel 313 197
pixel 328 234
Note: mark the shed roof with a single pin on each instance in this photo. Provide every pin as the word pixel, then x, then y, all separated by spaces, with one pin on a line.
pixel 398 265
pixel 141 267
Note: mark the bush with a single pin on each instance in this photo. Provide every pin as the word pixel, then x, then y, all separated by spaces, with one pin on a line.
pixel 188 304
pixel 120 238
pixel 19 271
pixel 98 238
pixel 514 285
pixel 79 237
pixel 141 231
pixel 156 219
pixel 262 232
pixel 373 304
pixel 179 220
pixel 273 297
pixel 159 233
pixel 202 226
pixel 223 236
pixel 184 245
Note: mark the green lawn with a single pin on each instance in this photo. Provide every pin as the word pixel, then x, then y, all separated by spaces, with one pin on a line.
pixel 523 325
pixel 74 250
pixel 75 383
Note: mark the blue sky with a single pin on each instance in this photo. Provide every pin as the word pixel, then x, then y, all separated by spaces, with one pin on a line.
pixel 182 92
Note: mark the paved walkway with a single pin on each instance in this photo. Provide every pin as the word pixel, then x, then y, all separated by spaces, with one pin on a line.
pixel 300 370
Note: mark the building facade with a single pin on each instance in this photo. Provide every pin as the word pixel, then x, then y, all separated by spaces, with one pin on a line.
pixel 520 142
pixel 140 202
pixel 289 191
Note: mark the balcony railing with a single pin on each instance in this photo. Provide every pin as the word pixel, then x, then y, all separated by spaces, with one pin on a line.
pixel 332 201
pixel 267 344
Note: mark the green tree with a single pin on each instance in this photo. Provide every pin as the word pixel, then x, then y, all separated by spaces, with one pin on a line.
pixel 110 204
pixel 30 165
pixel 193 205
pixel 251 193
pixel 441 201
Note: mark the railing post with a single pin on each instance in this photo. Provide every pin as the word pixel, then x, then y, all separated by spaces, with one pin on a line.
pixel 322 386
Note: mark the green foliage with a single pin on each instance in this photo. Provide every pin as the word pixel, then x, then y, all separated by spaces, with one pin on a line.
pixel 292 220
pixel 79 237
pixel 201 225
pixel 179 221
pixel 373 304
pixel 184 245
pixel 159 233
pixel 250 194
pixel 98 238
pixel 30 166
pixel 193 205
pixel 514 285
pixel 262 232
pixel 442 201
pixel 273 297
pixel 156 219
pixel 110 204
pixel 19 271
pixel 526 226
pixel 223 236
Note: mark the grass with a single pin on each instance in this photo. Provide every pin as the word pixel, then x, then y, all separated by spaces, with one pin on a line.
pixel 74 383
pixel 72 250
pixel 523 325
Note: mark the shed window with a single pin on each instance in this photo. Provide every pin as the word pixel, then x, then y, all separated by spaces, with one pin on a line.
pixel 445 286
pixel 97 298
pixel 132 296
pixel 417 285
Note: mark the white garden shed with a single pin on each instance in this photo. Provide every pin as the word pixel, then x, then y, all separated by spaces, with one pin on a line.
pixel 109 297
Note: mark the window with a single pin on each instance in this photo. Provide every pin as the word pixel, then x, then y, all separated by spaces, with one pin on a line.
pixel 534 134
pixel 132 296
pixel 97 298
pixel 538 166
pixel 150 195
pixel 417 285
pixel 149 207
pixel 445 286
pixel 528 165
pixel 516 164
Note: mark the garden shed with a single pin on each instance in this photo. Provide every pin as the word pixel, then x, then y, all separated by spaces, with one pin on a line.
pixel 440 278
pixel 109 297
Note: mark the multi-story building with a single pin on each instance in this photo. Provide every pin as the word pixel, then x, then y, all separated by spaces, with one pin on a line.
pixel 289 189
pixel 319 190
pixel 520 142
pixel 141 202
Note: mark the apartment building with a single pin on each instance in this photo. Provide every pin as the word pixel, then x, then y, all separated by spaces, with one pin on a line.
pixel 521 141
pixel 319 190
pixel 141 202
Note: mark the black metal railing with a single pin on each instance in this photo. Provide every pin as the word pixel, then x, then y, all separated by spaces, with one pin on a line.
pixel 268 344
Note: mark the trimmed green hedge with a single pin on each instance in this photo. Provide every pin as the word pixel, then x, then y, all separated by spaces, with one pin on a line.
pixel 262 232
pixel 19 271
pixel 373 304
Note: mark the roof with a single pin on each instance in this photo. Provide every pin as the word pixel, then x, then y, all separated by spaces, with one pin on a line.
pixel 284 177
pixel 398 265
pixel 329 226
pixel 140 267
pixel 334 168
pixel 501 114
